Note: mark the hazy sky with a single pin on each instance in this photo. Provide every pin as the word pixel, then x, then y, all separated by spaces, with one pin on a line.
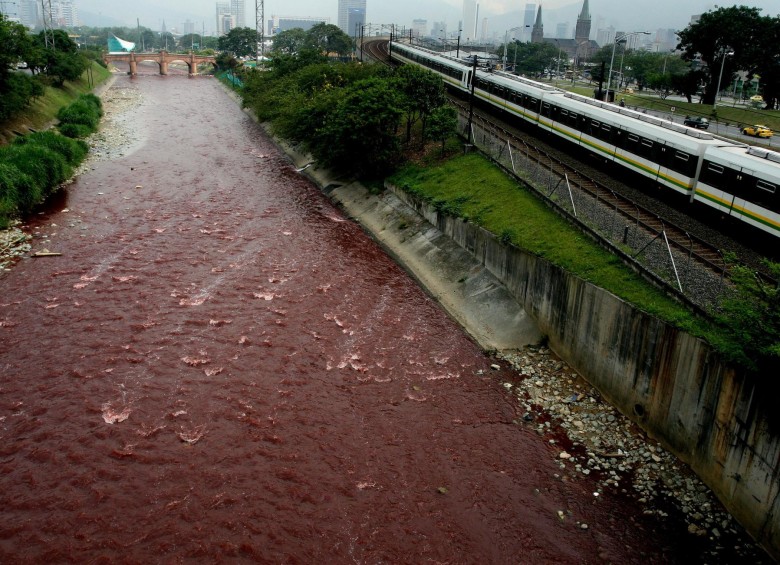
pixel 501 14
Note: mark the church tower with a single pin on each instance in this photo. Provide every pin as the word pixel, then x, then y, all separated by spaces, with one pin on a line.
pixel 537 34
pixel 582 32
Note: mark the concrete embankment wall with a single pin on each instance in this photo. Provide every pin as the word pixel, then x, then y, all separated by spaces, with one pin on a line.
pixel 671 383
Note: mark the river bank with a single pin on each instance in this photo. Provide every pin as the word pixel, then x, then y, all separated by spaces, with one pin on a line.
pixel 592 438
pixel 588 439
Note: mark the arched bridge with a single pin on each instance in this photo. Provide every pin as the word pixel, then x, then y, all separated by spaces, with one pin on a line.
pixel 163 59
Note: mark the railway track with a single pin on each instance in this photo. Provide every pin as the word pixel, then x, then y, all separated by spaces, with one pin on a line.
pixel 678 238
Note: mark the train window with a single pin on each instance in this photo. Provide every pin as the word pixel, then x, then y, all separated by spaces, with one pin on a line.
pixel 717 169
pixel 546 110
pixel 769 187
pixel 633 138
pixel 646 142
pixel 684 157
pixel 606 132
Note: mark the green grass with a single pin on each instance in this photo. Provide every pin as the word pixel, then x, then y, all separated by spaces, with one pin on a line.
pixel 44 109
pixel 471 187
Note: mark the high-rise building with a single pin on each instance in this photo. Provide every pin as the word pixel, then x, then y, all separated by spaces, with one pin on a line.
pixel 529 17
pixel 64 13
pixel 419 28
pixel 470 10
pixel 562 30
pixel 605 36
pixel 285 23
pixel 28 13
pixel 439 29
pixel 230 14
pixel 356 18
pixel 352 13
pixel 188 27
pixel 238 9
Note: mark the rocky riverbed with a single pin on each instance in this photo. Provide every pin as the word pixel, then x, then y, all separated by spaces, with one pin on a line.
pixel 116 137
pixel 592 440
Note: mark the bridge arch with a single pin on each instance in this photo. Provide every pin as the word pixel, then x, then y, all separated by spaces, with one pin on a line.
pixel 163 59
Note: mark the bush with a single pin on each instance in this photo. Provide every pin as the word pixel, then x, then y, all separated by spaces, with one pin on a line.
pixel 18 193
pixel 75 131
pixel 45 168
pixel 72 150
pixel 85 111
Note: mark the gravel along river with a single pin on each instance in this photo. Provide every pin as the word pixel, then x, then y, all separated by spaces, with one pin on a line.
pixel 219 366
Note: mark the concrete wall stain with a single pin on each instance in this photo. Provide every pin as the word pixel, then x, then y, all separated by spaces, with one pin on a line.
pixel 670 383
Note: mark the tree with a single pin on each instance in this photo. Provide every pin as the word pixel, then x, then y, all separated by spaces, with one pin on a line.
pixel 239 42
pixel 532 58
pixel 738 30
pixel 443 124
pixel 328 38
pixel 423 92
pixel 190 41
pixel 290 41
pixel 358 135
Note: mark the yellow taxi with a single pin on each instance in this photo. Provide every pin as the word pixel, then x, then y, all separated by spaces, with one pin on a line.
pixel 757 131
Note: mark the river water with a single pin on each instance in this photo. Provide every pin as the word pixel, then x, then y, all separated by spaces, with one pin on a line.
pixel 221 367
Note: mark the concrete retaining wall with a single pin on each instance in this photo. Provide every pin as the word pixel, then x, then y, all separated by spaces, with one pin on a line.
pixel 669 382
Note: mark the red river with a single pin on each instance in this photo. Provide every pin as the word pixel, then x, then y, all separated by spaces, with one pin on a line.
pixel 220 367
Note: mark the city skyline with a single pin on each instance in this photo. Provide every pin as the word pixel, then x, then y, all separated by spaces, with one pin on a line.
pixel 499 14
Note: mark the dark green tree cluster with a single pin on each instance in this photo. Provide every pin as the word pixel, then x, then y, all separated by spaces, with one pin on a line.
pixel 323 39
pixel 750 38
pixel 531 59
pixel 239 42
pixel 16 89
pixel 348 115
pixel 52 65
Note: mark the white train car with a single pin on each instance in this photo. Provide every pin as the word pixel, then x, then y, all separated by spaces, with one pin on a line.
pixel 743 183
pixel 731 177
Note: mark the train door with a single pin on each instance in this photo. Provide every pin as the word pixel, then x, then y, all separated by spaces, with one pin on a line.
pixel 743 186
pixel 465 82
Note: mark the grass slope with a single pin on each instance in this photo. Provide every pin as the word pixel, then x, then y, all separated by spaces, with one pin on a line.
pixel 471 187
pixel 43 110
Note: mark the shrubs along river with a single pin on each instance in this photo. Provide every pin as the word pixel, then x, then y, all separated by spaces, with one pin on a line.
pixel 34 165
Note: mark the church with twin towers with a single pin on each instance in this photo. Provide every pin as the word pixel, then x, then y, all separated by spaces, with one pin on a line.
pixel 579 48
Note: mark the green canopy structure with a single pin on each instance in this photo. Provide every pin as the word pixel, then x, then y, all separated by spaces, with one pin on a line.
pixel 116 45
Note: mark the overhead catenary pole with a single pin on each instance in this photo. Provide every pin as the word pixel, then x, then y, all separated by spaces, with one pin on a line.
pixel 259 19
pixel 618 39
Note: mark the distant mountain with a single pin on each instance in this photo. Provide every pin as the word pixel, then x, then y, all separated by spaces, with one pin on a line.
pixel 98 20
pixel 151 14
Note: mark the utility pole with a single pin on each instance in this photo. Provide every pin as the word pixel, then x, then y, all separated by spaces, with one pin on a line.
pixel 259 25
pixel 48 28
pixel 471 97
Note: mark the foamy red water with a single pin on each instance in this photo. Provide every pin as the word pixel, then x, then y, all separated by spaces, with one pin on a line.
pixel 219 367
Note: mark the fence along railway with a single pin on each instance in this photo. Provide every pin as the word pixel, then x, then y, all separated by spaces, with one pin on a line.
pixel 686 265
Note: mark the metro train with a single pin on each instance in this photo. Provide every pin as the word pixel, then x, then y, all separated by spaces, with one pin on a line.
pixel 739 180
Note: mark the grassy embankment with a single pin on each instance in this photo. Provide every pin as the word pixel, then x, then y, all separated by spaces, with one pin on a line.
pixel 33 166
pixel 471 187
pixel 43 110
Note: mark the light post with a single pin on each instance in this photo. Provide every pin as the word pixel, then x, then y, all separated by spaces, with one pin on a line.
pixel 720 76
pixel 560 51
pixel 618 39
pixel 506 38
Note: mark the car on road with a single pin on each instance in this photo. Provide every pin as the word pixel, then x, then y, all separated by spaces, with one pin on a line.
pixel 757 131
pixel 697 122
